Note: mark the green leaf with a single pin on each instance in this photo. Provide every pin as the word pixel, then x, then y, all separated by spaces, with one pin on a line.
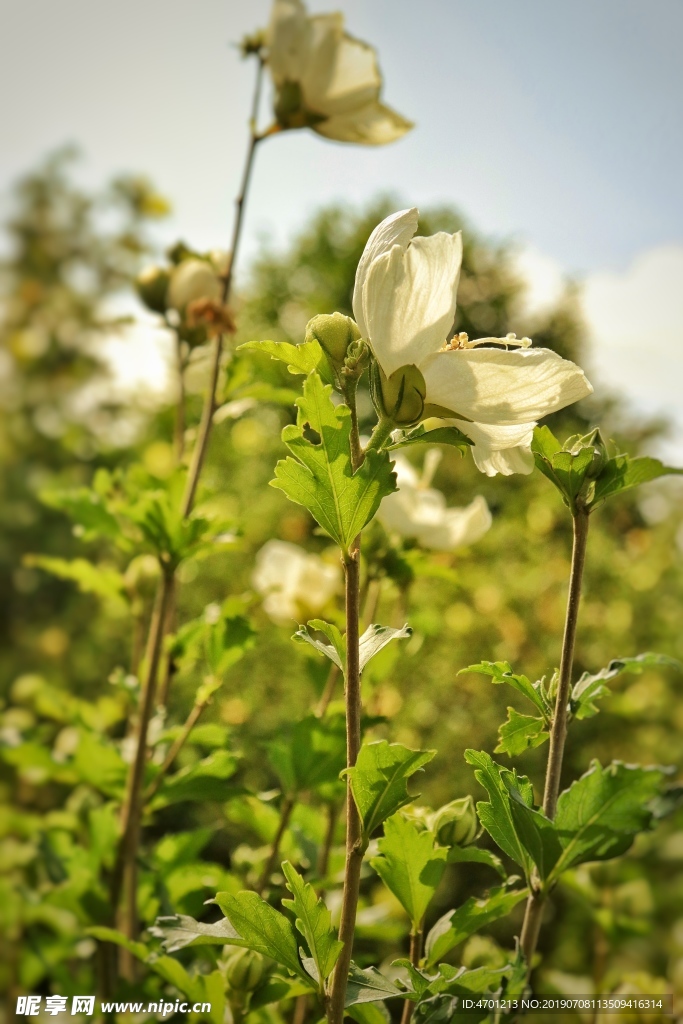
pixel 206 780
pixel 378 780
pixel 102 580
pixel 377 637
pixel 300 359
pixel 496 815
pixel 335 650
pixel 501 672
pixel 411 865
pixel 623 472
pixel 263 929
pixel 313 755
pixel 475 855
pixel 590 688
pixel 179 931
pixel 313 921
pixel 519 733
pixel 166 967
pixel 368 986
pixel 373 640
pixel 320 476
pixel 457 925
pixel 600 814
pixel 369 1013
pixel 450 435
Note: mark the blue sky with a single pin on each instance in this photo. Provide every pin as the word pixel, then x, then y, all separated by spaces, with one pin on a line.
pixel 557 124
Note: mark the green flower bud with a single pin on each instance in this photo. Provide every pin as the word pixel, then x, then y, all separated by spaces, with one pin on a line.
pixel 457 824
pixel 334 332
pixel 152 287
pixel 600 454
pixel 244 969
pixel 400 397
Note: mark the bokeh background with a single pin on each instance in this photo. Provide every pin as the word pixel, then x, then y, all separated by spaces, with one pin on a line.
pixel 552 134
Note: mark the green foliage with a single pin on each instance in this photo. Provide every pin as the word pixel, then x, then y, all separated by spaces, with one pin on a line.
pixel 590 688
pixel 304 358
pixel 379 780
pixel 585 474
pixel 313 755
pixel 313 921
pixel 320 476
pixel 180 930
pixel 373 640
pixel 457 925
pixel 450 435
pixel 500 672
pixel 264 930
pixel 411 865
pixel 519 733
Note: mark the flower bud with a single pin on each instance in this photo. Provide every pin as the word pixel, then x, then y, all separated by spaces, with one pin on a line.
pixel 334 332
pixel 600 454
pixel 457 824
pixel 152 287
pixel 192 279
pixel 243 970
pixel 400 397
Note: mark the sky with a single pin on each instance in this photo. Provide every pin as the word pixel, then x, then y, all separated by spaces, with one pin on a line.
pixel 557 125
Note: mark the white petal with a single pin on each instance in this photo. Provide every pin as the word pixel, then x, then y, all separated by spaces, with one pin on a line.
pixel 461 527
pixel 497 386
pixel 288 39
pixel 192 279
pixel 396 229
pixel 412 511
pixel 409 300
pixel 373 124
pixel 503 450
pixel 406 474
pixel 342 73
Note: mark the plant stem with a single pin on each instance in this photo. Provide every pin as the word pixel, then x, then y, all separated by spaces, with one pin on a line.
pixel 175 749
pixel 209 408
pixel 179 427
pixel 354 835
pixel 285 814
pixel 415 957
pixel 558 730
pixel 132 806
pixel 380 434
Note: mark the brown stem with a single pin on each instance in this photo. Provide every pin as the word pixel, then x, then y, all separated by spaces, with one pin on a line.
pixel 132 806
pixel 285 814
pixel 558 730
pixel 300 1010
pixel 354 833
pixel 179 427
pixel 206 422
pixel 415 957
pixel 175 749
pixel 168 661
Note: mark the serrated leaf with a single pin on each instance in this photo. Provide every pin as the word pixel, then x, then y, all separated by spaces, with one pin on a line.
pixel 300 359
pixel 501 672
pixel 373 640
pixel 623 472
pixel 313 755
pixel 590 688
pixel 457 925
pixel 180 930
pixel 411 865
pixel 320 477
pixel 263 929
pixel 475 855
pixel 450 435
pixel 496 815
pixel 335 650
pixel 368 986
pixel 313 921
pixel 519 733
pixel 600 814
pixel 379 780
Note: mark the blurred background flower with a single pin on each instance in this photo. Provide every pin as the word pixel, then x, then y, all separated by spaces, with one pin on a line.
pixel 293 583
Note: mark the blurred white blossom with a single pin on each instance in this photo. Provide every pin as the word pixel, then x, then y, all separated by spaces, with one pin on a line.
pixel 419 511
pixel 327 80
pixel 190 280
pixel 294 584
pixel 404 302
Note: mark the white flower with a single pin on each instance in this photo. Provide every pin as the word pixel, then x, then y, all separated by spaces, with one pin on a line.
pixel 292 582
pixel 404 303
pixel 192 279
pixel 326 79
pixel 418 510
